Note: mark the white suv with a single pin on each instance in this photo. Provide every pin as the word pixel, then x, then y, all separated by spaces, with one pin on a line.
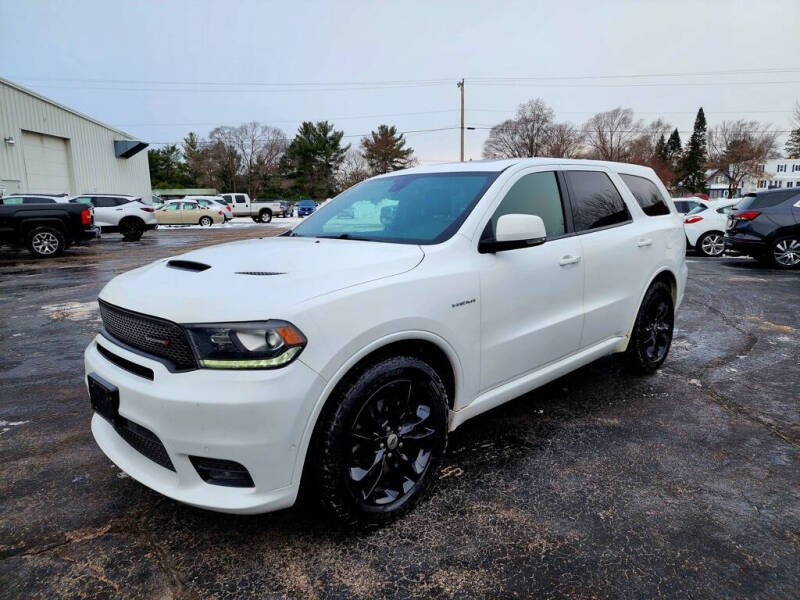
pixel 347 350
pixel 121 213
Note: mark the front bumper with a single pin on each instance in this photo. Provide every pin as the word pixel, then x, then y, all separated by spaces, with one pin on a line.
pixel 255 418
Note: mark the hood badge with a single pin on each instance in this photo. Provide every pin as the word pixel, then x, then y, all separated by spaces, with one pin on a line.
pixel 155 340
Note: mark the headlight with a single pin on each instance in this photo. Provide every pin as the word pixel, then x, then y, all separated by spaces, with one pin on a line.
pixel 264 345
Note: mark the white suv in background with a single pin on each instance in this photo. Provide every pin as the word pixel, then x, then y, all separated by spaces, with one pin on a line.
pixel 344 352
pixel 120 213
pixel 705 226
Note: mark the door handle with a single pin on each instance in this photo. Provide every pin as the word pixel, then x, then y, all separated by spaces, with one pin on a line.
pixel 569 260
pixel 644 242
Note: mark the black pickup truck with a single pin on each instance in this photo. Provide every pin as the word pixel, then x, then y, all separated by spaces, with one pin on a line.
pixel 46 229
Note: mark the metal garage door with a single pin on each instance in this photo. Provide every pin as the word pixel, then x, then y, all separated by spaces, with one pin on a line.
pixel 46 163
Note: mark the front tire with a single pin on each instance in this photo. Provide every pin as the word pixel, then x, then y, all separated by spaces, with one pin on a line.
pixel 379 441
pixel 711 244
pixel 785 252
pixel 652 332
pixel 46 242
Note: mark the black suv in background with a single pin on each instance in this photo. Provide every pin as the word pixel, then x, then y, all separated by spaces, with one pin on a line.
pixel 766 226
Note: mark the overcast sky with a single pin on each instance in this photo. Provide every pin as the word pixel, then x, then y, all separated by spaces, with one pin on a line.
pixel 154 69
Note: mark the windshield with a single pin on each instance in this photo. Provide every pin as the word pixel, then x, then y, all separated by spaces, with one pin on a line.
pixel 423 208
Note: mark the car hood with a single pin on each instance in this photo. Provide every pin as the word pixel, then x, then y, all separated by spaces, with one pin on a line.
pixel 254 279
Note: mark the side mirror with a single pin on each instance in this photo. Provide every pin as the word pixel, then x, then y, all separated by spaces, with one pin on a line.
pixel 515 231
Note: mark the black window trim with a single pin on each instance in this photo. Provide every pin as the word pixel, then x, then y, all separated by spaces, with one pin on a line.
pixel 569 197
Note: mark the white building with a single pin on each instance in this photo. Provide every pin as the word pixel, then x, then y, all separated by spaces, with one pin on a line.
pixel 48 148
pixel 779 173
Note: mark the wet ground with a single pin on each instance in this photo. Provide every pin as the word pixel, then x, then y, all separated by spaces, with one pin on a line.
pixel 683 484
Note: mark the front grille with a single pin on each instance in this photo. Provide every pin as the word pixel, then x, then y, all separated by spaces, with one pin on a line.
pixel 151 335
pixel 144 441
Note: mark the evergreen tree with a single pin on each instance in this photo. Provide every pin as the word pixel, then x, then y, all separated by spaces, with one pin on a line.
pixel 661 148
pixel 385 151
pixel 674 148
pixel 167 168
pixel 793 144
pixel 313 157
pixel 696 156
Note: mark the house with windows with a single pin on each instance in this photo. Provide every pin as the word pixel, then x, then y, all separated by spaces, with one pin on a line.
pixel 779 173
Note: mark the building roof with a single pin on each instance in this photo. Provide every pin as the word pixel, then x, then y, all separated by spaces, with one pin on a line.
pixel 25 90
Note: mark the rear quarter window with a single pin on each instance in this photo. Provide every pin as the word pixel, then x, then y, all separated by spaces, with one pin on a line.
pixel 646 194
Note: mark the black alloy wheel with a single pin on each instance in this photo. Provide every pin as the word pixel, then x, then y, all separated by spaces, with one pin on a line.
pixel 652 332
pixel 131 229
pixel 379 440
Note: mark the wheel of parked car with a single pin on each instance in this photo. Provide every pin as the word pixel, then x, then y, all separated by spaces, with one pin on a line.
pixel 265 215
pixel 131 229
pixel 785 252
pixel 652 330
pixel 379 441
pixel 712 244
pixel 206 221
pixel 44 242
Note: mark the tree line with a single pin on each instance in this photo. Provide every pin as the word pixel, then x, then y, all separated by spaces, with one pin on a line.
pixel 737 149
pixel 316 163
pixel 262 161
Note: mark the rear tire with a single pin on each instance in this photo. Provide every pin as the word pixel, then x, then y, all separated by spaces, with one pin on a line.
pixel 132 229
pixel 784 252
pixel 46 242
pixel 711 244
pixel 206 221
pixel 652 331
pixel 379 440
pixel 265 215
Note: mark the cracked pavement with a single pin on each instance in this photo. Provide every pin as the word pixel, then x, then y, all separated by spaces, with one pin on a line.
pixel 600 484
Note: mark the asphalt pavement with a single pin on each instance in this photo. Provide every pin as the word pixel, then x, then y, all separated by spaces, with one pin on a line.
pixel 682 484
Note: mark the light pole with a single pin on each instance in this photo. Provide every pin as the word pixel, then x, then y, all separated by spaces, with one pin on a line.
pixel 460 85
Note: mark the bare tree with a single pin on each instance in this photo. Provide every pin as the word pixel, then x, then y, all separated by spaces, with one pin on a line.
pixel 354 169
pixel 563 141
pixel 609 134
pixel 525 135
pixel 739 148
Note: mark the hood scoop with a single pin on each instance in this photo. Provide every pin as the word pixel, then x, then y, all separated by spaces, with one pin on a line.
pixel 262 273
pixel 188 265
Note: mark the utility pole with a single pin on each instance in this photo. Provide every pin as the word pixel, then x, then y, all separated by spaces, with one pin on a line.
pixel 460 85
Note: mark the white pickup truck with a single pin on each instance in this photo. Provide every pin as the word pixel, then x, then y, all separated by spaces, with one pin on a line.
pixel 242 206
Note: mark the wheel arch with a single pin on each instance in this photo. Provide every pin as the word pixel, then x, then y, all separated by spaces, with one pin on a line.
pixel 421 344
pixel 666 275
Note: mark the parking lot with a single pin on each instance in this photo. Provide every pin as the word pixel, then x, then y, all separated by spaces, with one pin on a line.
pixel 683 484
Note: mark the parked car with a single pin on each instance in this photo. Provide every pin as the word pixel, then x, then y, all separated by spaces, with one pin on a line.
pixel 687 205
pixel 120 213
pixel 705 227
pixel 27 199
pixel 306 207
pixel 188 212
pixel 261 211
pixel 46 228
pixel 287 208
pixel 766 226
pixel 454 289
pixel 214 202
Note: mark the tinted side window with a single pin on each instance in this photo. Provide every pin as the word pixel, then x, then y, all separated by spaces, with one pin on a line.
pixel 103 202
pixel 30 200
pixel 595 201
pixel 646 194
pixel 534 194
pixel 240 199
pixel 121 201
pixel 681 206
